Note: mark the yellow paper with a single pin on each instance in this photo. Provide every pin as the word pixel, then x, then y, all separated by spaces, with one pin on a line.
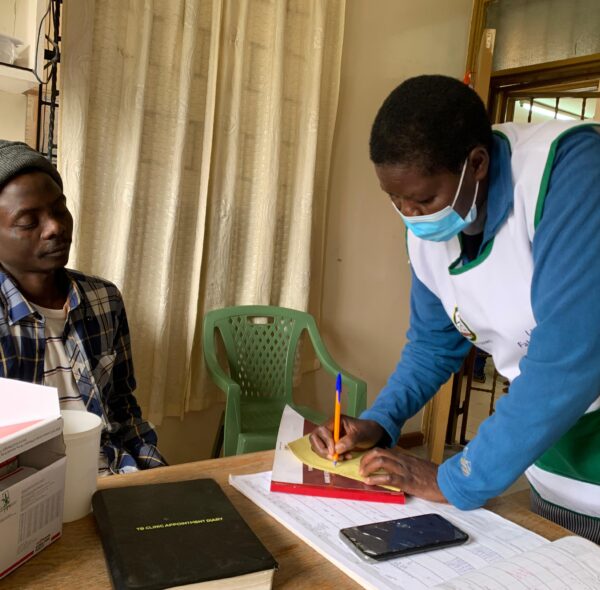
pixel 302 450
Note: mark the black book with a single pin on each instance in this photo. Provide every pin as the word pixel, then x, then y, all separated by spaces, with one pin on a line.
pixel 184 533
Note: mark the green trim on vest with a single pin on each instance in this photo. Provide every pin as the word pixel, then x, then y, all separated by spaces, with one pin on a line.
pixel 453 270
pixel 539 208
pixel 577 454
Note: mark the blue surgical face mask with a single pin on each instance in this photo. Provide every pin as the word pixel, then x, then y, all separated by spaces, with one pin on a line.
pixel 445 223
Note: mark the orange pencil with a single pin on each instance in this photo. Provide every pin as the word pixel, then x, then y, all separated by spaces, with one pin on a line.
pixel 338 414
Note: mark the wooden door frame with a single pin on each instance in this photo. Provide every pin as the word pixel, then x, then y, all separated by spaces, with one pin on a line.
pixel 476 27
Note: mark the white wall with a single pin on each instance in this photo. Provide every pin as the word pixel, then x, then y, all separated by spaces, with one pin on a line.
pixel 8 10
pixel 367 279
pixel 13 109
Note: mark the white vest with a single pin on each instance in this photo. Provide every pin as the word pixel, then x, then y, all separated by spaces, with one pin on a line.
pixel 489 299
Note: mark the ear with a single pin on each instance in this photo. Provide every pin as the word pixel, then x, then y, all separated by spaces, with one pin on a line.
pixel 479 162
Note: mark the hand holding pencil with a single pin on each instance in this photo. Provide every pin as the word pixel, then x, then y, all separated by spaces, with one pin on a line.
pixel 337 438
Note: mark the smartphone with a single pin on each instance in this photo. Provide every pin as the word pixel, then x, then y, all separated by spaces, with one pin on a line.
pixel 403 536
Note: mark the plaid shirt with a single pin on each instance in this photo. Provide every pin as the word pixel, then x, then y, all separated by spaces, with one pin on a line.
pixel 96 340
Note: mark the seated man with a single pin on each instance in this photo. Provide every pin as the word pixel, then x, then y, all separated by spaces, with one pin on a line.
pixel 59 327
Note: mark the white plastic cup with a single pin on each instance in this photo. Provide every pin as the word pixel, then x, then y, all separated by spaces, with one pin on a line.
pixel 81 433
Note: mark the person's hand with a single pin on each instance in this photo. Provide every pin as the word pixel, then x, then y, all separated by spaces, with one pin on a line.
pixel 414 476
pixel 354 434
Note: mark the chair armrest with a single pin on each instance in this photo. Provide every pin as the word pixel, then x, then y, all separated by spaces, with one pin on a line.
pixel 357 388
pixel 232 391
pixel 222 380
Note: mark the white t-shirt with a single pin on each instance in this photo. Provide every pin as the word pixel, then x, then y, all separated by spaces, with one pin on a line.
pixel 57 367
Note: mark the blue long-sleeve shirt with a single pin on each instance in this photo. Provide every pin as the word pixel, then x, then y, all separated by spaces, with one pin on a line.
pixel 560 374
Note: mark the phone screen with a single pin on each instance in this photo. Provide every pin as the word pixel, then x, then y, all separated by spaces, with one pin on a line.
pixel 403 536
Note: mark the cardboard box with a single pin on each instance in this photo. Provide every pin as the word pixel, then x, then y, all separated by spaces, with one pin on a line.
pixel 31 493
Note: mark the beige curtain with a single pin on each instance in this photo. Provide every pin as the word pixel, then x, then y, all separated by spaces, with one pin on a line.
pixel 194 144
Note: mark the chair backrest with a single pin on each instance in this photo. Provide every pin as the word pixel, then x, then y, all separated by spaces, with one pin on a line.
pixel 260 343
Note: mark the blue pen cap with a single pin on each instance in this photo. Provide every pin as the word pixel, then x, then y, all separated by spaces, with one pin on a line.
pixel 338 384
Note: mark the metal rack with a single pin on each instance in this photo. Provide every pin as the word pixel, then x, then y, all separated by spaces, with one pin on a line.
pixel 48 92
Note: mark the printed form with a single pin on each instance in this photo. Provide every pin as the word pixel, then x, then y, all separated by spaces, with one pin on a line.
pixel 569 563
pixel 492 540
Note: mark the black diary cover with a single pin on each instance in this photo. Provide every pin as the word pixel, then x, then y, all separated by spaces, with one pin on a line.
pixel 162 535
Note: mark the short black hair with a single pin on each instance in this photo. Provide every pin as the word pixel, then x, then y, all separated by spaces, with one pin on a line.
pixel 431 122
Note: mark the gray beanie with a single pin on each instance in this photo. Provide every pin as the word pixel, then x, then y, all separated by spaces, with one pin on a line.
pixel 16 157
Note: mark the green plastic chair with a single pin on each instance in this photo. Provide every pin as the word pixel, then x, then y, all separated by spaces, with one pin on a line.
pixel 260 343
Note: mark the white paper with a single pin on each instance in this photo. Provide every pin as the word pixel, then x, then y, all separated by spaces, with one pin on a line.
pixel 570 562
pixel 21 401
pixel 317 521
pixel 285 465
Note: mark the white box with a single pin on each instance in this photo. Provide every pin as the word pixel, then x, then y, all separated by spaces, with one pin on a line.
pixel 31 497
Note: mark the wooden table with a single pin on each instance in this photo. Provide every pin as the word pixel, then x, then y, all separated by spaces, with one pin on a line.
pixel 77 561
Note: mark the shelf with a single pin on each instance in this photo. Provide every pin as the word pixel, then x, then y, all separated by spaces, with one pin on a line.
pixel 16 80
pixel 21 19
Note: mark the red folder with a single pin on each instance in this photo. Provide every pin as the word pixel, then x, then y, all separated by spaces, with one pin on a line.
pixel 291 476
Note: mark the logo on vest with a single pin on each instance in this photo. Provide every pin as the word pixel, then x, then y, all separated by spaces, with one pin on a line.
pixel 462 326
